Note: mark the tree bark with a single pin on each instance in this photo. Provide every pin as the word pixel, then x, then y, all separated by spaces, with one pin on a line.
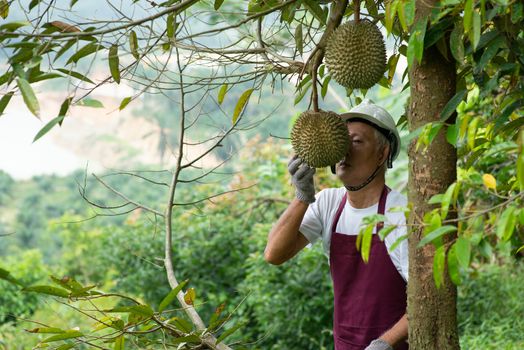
pixel 431 310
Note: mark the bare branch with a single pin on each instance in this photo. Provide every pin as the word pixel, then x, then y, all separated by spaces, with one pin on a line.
pixel 123 196
pixel 168 10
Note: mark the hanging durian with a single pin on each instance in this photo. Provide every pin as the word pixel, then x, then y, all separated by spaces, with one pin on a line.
pixel 320 138
pixel 356 54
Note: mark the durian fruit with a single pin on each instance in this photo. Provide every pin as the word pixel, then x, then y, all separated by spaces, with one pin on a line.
pixel 356 54
pixel 320 138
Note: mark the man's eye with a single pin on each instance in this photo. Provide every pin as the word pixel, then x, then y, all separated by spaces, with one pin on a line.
pixel 357 141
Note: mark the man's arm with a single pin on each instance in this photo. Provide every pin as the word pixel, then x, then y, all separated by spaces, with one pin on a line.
pixel 285 240
pixel 392 337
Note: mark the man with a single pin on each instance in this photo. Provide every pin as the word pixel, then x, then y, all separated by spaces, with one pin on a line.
pixel 370 298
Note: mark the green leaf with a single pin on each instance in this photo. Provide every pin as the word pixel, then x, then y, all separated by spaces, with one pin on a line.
pixel 452 135
pixel 6 275
pixel 46 330
pixel 402 18
pixel 181 324
pixel 439 261
pixel 436 199
pixel 133 44
pixel 68 282
pixel 218 3
pixel 510 127
pixel 325 86
pixel 468 13
pixel 298 39
pixel 171 296
pixel 29 96
pixel 4 101
pixel 114 63
pixel 397 243
pixel 63 336
pixel 192 338
pixel 12 26
pixel 45 76
pixel 65 347
pixel 242 102
pixel 90 102
pixel 439 232
pixel 119 343
pixel 446 201
pixel 190 296
pixel 452 105
pixel 490 52
pixel 4 9
pixel 214 321
pixel 474 35
pixel 64 48
pixel 48 127
pixel 64 107
pixel 75 75
pixel 230 331
pixel 49 290
pixel 416 41
pixel 125 102
pixel 302 91
pixel 84 51
pixel 453 266
pixel 520 165
pixel 222 93
pixel 506 223
pixel 472 132
pixel 392 67
pixel 391 10
pixel 367 235
pixel 170 26
pixel 33 3
pixel 316 10
pixel 371 7
pixel 385 231
pixel 516 12
pixel 409 11
pixel 463 250
pixel 142 310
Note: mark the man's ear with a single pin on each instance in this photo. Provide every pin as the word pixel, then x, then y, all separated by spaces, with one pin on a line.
pixel 383 156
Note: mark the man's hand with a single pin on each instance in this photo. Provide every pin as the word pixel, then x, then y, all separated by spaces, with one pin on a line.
pixel 379 344
pixel 302 179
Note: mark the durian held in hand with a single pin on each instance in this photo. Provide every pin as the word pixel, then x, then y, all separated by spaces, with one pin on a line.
pixel 356 54
pixel 320 139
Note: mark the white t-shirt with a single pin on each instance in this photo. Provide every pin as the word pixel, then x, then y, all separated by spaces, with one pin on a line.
pixel 319 218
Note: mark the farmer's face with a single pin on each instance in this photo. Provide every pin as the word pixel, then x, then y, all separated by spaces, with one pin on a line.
pixel 364 155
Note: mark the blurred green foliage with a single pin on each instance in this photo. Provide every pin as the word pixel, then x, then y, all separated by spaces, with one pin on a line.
pixel 218 246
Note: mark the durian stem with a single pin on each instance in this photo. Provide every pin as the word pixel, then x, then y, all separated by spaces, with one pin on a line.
pixel 314 93
pixel 357 10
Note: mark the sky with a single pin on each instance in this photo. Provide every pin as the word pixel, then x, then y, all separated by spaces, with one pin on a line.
pixel 20 157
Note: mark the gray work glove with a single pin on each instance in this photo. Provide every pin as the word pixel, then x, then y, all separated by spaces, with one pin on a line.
pixel 379 344
pixel 302 179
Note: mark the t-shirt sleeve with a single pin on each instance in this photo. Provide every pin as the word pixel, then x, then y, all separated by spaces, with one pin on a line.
pixel 399 255
pixel 311 226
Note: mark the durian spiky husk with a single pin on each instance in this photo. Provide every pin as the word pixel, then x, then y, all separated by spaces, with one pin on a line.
pixel 356 54
pixel 320 138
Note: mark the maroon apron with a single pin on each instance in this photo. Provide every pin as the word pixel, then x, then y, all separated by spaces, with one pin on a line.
pixel 369 298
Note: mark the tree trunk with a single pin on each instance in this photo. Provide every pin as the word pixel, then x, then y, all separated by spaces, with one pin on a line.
pixel 431 310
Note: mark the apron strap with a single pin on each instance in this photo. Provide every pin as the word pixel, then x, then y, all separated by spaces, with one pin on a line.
pixel 339 211
pixel 382 206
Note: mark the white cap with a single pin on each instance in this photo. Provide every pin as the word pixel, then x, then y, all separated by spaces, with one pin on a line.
pixel 378 116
